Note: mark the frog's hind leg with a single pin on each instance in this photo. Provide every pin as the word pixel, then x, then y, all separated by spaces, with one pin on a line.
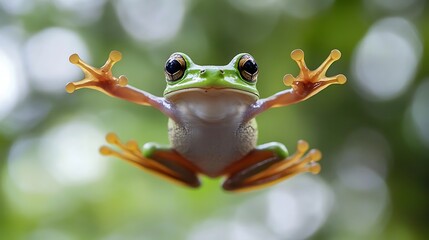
pixel 156 159
pixel 268 164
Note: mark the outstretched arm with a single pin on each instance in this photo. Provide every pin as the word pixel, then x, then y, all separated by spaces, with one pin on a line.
pixel 304 86
pixel 102 79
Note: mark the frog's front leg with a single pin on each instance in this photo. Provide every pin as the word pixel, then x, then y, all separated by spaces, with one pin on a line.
pixel 156 159
pixel 269 164
pixel 102 79
pixel 305 85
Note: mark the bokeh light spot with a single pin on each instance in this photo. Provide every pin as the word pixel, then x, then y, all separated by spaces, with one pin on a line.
pixel 13 87
pixel 361 189
pixel 9 90
pixel 83 11
pixel 420 111
pixel 210 230
pixel 17 7
pixel 298 209
pixel 25 169
pixel 386 59
pixel 291 210
pixel 57 157
pixel 73 161
pixel 396 5
pixel 151 20
pixel 47 54
pixel 230 229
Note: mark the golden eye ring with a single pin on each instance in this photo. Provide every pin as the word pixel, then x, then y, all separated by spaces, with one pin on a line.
pixel 175 67
pixel 248 68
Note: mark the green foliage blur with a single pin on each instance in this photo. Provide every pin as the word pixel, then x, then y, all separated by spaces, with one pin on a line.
pixel 373 131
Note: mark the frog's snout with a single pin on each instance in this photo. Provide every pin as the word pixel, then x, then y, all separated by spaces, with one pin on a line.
pixel 211 72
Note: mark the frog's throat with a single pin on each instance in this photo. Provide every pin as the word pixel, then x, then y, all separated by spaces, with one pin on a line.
pixel 210 91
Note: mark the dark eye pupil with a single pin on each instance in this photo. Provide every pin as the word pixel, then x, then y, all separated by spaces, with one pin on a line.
pixel 173 66
pixel 250 67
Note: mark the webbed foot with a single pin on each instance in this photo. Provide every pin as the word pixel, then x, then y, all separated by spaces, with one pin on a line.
pixel 267 166
pixel 309 82
pixel 159 160
pixel 97 78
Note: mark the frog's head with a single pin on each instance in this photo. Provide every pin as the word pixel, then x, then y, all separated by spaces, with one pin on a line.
pixel 183 75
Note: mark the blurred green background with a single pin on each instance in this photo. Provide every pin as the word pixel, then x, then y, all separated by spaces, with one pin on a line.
pixel 373 131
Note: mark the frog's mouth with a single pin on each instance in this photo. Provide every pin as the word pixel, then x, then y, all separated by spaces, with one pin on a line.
pixel 212 92
pixel 212 105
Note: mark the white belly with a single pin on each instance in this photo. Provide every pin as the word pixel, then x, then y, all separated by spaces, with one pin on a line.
pixel 211 133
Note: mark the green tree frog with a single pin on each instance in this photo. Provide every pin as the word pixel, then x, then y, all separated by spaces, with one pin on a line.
pixel 212 128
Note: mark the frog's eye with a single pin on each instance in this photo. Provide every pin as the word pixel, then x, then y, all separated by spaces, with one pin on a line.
pixel 175 67
pixel 248 68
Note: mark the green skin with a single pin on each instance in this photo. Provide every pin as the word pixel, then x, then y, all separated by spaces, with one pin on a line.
pixel 212 129
pixel 192 77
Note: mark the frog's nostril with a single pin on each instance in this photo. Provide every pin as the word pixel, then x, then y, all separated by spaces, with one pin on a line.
pixel 221 71
pixel 202 71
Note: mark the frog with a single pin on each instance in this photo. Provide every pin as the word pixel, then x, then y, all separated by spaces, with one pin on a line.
pixel 211 113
